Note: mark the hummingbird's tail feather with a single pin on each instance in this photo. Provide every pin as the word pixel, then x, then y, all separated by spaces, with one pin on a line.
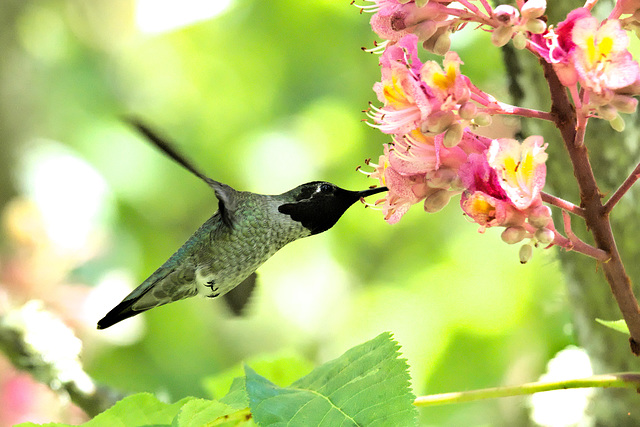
pixel 122 311
pixel 157 290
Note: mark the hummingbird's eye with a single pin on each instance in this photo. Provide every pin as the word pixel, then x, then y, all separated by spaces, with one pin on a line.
pixel 325 188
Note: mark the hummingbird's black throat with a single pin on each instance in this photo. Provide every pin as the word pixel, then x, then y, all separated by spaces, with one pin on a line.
pixel 319 205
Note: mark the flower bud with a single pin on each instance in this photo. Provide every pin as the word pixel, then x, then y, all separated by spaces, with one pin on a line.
pixel 457 184
pixel 525 254
pixel 536 26
pixel 425 30
pixel 468 110
pixel 617 123
pixel 533 8
pixel 506 14
pixel 453 135
pixel 519 41
pixel 624 103
pixel 512 235
pixel 608 112
pixel 545 235
pixel 540 216
pixel 442 44
pixel 438 122
pixel 482 119
pixel 437 200
pixel 501 36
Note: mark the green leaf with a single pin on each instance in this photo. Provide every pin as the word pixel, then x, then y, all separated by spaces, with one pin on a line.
pixel 138 410
pixel 368 385
pixel 237 397
pixel 281 368
pixel 141 409
pixel 200 412
pixel 616 325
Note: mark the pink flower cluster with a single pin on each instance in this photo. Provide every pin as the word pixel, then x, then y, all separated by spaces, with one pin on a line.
pixel 431 111
pixel 435 155
pixel 595 56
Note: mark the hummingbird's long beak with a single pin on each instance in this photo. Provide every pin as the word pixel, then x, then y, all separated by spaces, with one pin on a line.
pixel 371 191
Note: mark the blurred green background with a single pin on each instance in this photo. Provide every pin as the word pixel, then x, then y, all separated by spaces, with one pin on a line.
pixel 263 96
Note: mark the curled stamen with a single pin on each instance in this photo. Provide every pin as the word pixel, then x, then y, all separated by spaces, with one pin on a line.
pixel 378 48
pixel 391 121
pixel 369 8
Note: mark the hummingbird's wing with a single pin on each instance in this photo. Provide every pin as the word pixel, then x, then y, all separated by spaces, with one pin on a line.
pixel 226 194
pixel 238 297
pixel 165 285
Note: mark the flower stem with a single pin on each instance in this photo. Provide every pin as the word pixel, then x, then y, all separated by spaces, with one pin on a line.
pixel 621 380
pixel 562 204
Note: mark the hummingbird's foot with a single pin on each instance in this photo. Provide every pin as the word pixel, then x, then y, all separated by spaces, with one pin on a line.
pixel 214 289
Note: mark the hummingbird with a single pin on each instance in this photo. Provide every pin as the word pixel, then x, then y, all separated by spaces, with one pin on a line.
pixel 245 231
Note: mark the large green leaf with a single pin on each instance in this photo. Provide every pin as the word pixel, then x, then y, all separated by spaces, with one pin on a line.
pixel 200 412
pixel 282 369
pixel 141 409
pixel 237 397
pixel 368 385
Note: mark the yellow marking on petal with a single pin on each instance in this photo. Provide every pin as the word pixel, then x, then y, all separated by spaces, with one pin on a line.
pixel 600 50
pixel 591 49
pixel 510 169
pixel 605 46
pixel 480 206
pixel 395 94
pixel 527 165
pixel 382 175
pixel 446 80
pixel 452 72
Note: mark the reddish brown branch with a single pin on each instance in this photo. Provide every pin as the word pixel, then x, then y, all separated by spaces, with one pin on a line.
pixel 573 243
pixel 621 191
pixel 596 217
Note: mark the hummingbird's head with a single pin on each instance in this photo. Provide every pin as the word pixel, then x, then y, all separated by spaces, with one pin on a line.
pixel 319 205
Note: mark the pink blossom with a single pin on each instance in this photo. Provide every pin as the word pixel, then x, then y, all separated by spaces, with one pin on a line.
pixel 415 153
pixel 478 176
pixel 419 153
pixel 394 19
pixel 404 191
pixel 502 183
pixel 601 58
pixel 421 96
pixel 595 55
pixel 489 211
pixel 404 98
pixel 556 46
pixel 448 85
pixel 388 19
pixel 419 167
pixel 520 167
